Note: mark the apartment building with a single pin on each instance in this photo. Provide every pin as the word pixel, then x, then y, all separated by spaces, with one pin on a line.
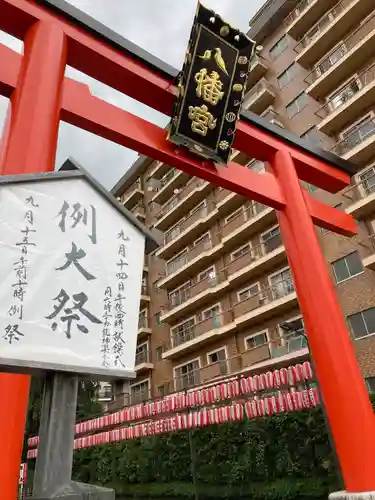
pixel 219 298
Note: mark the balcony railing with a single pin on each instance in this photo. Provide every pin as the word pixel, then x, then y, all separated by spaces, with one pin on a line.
pixel 187 257
pixel 363 188
pixel 168 177
pixel 255 253
pixel 256 91
pixel 175 232
pixel 335 55
pixel 297 12
pixel 134 187
pixel 219 319
pixel 358 135
pixel 142 357
pixel 175 200
pixel 144 290
pixel 320 26
pixel 348 92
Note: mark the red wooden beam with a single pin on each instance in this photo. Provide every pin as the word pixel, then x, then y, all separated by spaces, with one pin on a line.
pixel 82 109
pixel 122 72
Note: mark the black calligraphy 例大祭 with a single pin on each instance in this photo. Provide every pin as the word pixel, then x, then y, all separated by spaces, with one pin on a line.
pixel 73 257
pixel 76 215
pixel 70 314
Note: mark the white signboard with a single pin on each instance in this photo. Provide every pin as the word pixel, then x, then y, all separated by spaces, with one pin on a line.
pixel 70 279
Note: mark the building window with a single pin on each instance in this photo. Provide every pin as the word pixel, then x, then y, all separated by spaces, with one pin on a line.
pixel 240 252
pixel 220 358
pixel 347 267
pixel 159 352
pixel 163 390
pixel 158 318
pixel 208 274
pixel 287 76
pixel 187 375
pixel 279 47
pixel 282 284
pixel 234 215
pixel 211 313
pixel 180 295
pixel 256 340
pixel 370 382
pixel 140 392
pixel 362 324
pixel 367 180
pixel 183 332
pixel 271 239
pixel 297 105
pixel 248 292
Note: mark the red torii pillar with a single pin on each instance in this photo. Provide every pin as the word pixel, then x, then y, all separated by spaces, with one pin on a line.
pixel 40 96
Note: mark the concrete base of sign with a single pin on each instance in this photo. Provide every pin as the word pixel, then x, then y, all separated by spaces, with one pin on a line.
pixel 79 491
pixel 345 495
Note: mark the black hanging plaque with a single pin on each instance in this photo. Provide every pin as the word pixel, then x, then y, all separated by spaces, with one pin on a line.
pixel 211 87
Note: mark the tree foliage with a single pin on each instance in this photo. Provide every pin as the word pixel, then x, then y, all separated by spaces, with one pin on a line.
pixel 289 451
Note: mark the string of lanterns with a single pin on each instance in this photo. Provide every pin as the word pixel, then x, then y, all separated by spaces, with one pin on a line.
pixel 177 402
pixel 290 401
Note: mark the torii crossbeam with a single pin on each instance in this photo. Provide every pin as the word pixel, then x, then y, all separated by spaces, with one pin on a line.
pixel 56 34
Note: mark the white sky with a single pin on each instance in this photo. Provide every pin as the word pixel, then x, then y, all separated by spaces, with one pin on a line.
pixel 161 27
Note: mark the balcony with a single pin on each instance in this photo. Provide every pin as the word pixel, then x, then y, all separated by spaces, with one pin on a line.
pixel 362 196
pixel 171 212
pixel 169 185
pixel 190 263
pixel 342 62
pixel 227 202
pixel 330 28
pixel 359 145
pixel 304 15
pixel 249 221
pixel 258 68
pixel 257 261
pixel 145 296
pixel 144 328
pixel 259 97
pixel 133 195
pixel 352 101
pixel 143 362
pixel 187 230
pixel 258 308
pixel 139 212
pixel 159 170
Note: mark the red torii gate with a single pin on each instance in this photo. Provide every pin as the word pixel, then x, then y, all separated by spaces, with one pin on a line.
pixel 56 34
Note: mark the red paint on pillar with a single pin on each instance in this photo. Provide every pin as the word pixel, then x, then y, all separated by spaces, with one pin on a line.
pixel 36 102
pixel 29 147
pixel 5 136
pixel 349 411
